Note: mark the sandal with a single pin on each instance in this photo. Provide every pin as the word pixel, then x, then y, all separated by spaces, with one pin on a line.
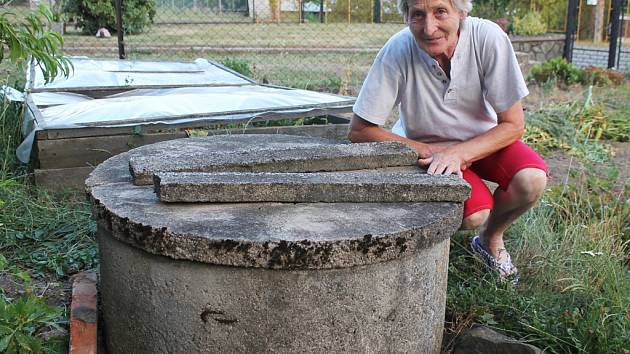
pixel 507 270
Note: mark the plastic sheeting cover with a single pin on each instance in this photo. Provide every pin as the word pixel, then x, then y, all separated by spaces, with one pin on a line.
pixel 57 98
pixel 155 105
pixel 121 73
pixel 226 99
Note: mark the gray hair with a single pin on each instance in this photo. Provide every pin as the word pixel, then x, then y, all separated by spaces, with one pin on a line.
pixel 461 5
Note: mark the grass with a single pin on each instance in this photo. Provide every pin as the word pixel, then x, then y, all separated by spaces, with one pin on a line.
pixel 250 35
pixel 315 61
pixel 574 295
pixel 336 73
pixel 42 236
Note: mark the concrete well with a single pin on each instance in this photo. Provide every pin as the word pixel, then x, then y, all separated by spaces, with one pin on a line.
pixel 367 276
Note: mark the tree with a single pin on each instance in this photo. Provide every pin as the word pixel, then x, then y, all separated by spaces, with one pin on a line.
pixel 29 39
pixel 90 15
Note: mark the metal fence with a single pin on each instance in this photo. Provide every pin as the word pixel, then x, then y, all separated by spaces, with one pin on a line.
pixel 314 44
pixel 323 44
pixel 600 33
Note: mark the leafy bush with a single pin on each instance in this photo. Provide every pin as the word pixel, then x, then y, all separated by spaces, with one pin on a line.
pixel 90 15
pixel 22 324
pixel 360 11
pixel 530 24
pixel 240 66
pixel 556 69
pixel 29 37
pixel 494 9
pixel 601 77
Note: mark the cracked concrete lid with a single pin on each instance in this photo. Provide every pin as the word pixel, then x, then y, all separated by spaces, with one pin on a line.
pixel 385 207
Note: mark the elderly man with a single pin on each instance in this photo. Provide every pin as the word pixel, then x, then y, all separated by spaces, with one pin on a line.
pixel 459 88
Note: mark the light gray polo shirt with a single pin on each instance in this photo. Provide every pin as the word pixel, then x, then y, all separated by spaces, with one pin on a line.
pixel 485 79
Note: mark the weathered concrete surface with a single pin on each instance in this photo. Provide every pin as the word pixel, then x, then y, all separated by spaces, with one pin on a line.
pixel 153 304
pixel 364 186
pixel 116 169
pixel 266 155
pixel 267 277
pixel 272 235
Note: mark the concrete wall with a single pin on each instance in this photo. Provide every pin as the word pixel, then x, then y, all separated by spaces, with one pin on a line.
pixel 598 56
pixel 154 304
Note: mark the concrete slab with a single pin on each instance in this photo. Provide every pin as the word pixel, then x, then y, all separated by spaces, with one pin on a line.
pixel 113 171
pixel 270 156
pixel 268 276
pixel 272 235
pixel 365 186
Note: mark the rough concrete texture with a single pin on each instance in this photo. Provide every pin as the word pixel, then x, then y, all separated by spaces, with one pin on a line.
pixel 273 235
pixel 113 171
pixel 483 340
pixel 267 277
pixel 363 186
pixel 153 304
pixel 266 155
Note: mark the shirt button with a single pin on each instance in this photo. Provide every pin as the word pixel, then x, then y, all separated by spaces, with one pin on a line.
pixel 450 90
pixel 443 81
pixel 439 74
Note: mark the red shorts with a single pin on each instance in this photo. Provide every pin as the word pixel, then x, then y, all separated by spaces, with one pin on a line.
pixel 499 168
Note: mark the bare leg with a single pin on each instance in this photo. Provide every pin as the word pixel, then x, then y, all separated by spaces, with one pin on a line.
pixel 526 187
pixel 475 220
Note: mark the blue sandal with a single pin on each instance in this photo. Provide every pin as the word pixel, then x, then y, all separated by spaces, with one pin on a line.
pixel 505 267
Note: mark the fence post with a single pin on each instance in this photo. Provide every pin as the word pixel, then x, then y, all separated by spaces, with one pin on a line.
pixel 321 11
pixel 376 15
pixel 570 30
pixel 349 11
pixel 622 31
pixel 119 29
pixel 614 32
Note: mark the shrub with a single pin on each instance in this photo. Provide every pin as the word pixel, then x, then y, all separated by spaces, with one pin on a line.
pixel 530 24
pixel 29 37
pixel 494 9
pixel 601 77
pixel 90 15
pixel 557 69
pixel 240 66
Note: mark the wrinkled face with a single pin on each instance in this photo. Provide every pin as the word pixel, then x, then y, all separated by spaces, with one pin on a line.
pixel 435 25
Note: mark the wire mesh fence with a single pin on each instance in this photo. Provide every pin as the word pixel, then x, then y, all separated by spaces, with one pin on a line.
pixel 322 45
pixel 315 44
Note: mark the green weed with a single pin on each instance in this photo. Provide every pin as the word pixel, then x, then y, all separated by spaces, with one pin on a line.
pixel 557 69
pixel 240 66
pixel 23 324
pixel 40 234
pixel 581 126
pixel 574 294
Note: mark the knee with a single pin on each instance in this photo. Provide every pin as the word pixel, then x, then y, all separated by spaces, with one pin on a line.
pixel 475 220
pixel 529 184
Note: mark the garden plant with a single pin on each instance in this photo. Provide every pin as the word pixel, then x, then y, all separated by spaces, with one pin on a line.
pixel 572 249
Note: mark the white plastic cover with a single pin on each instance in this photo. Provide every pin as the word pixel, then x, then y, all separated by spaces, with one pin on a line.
pixel 123 73
pixel 169 105
pixel 160 105
pixel 57 98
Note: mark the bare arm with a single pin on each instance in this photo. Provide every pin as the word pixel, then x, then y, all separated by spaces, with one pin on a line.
pixel 362 131
pixel 457 157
